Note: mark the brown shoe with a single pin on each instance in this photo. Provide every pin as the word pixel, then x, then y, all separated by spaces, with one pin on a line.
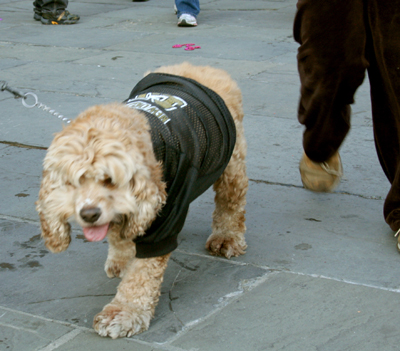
pixel 321 177
pixel 398 240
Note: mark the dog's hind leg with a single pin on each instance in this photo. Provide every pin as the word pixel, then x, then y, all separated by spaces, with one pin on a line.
pixel 120 253
pixel 133 306
pixel 228 227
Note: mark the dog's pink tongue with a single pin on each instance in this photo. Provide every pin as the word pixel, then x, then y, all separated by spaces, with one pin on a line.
pixel 97 233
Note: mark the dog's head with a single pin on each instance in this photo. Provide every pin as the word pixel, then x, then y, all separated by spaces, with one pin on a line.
pixel 100 171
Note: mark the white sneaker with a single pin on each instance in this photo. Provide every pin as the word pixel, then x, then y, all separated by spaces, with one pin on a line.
pixel 186 20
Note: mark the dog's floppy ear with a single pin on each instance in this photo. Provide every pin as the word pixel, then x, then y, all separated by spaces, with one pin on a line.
pixel 53 214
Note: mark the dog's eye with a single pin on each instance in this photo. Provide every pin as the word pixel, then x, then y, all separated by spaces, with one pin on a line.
pixel 107 182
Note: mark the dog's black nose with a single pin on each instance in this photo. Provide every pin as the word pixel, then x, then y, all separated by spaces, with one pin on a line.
pixel 90 214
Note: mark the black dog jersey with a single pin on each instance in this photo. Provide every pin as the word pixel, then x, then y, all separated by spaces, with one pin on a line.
pixel 193 135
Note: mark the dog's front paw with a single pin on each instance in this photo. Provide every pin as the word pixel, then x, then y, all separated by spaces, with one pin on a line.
pixel 220 245
pixel 115 268
pixel 119 320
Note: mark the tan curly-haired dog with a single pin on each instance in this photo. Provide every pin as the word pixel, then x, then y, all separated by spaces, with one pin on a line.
pixel 102 172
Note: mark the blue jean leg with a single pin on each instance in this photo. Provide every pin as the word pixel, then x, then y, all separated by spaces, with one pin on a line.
pixel 192 7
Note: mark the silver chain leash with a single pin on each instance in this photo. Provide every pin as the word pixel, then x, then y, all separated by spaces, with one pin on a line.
pixel 17 94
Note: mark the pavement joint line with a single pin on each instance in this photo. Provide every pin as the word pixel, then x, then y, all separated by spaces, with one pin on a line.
pixel 62 340
pixel 24 146
pixel 344 281
pixel 259 115
pixel 221 259
pixel 21 329
pixel 66 324
pixel 164 346
pixel 70 298
pixel 257 181
pixel 275 270
pixel 19 219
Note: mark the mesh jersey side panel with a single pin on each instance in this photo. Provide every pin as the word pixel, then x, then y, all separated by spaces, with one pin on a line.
pixel 200 125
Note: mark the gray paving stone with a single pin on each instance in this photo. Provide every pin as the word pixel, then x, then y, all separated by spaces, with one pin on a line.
pixel 294 312
pixel 20 178
pixel 334 235
pixel 24 332
pixel 251 5
pixel 13 52
pixel 281 104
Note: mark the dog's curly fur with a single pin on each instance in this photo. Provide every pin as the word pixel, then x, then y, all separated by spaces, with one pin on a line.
pixel 105 159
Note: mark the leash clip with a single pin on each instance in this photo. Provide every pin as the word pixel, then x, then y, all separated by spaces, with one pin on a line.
pixel 17 94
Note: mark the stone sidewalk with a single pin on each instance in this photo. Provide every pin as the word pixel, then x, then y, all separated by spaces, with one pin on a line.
pixel 320 272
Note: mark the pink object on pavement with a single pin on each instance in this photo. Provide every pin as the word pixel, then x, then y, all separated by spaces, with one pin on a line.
pixel 189 47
